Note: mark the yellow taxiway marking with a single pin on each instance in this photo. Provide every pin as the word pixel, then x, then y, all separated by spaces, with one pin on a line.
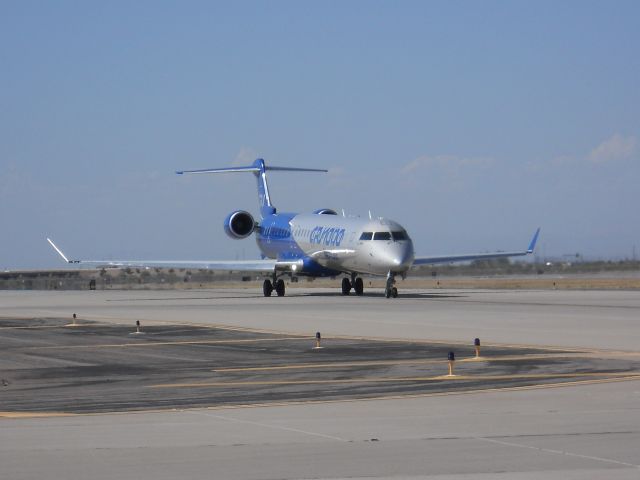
pixel 156 344
pixel 34 414
pixel 109 321
pixel 405 396
pixel 415 361
pixel 397 396
pixel 397 379
pixel 304 366
pixel 32 327
pixel 543 356
pixel 65 325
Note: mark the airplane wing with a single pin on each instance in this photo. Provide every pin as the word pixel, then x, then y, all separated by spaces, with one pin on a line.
pixel 477 256
pixel 267 265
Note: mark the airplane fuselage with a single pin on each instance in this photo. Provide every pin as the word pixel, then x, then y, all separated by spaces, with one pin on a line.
pixel 328 244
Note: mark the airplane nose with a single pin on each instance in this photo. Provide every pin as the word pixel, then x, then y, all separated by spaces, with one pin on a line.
pixel 402 257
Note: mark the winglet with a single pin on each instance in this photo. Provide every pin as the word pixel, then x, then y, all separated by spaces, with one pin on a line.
pixel 532 245
pixel 58 250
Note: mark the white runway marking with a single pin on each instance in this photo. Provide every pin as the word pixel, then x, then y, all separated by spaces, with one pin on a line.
pixel 266 425
pixel 557 452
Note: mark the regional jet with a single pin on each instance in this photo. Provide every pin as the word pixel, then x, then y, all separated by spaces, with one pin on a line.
pixel 317 244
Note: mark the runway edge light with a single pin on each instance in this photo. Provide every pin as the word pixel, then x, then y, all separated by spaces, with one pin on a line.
pixel 138 329
pixel 452 358
pixel 73 322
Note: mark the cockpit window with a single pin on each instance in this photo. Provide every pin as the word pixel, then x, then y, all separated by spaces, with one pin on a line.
pixel 400 235
pixel 382 236
pixel 366 236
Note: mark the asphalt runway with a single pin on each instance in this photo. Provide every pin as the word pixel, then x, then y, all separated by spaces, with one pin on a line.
pixel 586 427
pixel 52 366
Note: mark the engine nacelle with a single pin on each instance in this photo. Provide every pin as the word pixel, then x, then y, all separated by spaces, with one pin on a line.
pixel 239 224
pixel 325 211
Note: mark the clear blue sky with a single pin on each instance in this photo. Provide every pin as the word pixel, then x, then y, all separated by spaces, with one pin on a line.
pixel 471 123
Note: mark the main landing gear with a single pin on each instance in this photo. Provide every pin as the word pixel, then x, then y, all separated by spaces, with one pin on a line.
pixel 277 285
pixel 356 283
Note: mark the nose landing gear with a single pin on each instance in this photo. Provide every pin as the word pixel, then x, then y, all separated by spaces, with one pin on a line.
pixel 390 290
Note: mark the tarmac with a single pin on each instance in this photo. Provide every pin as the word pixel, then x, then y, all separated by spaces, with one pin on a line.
pixel 556 395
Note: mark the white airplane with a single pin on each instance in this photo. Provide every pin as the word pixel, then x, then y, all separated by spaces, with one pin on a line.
pixel 317 244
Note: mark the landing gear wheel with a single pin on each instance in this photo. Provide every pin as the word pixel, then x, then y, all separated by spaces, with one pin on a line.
pixel 394 292
pixel 358 286
pixel 280 288
pixel 267 288
pixel 346 286
pixel 387 292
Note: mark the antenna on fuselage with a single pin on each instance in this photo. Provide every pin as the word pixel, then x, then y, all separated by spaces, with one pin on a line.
pixel 259 169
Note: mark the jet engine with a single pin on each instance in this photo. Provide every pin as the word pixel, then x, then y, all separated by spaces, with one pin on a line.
pixel 239 224
pixel 325 211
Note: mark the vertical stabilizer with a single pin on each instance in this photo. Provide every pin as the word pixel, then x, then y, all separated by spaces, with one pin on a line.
pixel 264 199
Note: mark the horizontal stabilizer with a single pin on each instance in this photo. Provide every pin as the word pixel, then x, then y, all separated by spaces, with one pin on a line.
pixel 220 170
pixel 259 169
pixel 295 169
pixel 251 169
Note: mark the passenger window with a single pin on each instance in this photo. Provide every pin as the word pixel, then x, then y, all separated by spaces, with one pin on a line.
pixel 397 236
pixel 366 235
pixel 382 236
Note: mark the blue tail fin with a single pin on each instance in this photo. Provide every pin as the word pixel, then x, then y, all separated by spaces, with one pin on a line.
pixel 259 169
pixel 264 199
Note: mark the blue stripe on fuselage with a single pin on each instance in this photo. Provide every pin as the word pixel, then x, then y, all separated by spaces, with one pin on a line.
pixel 274 237
pixel 275 240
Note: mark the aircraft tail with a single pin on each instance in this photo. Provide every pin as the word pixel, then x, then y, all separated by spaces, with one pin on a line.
pixel 259 169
